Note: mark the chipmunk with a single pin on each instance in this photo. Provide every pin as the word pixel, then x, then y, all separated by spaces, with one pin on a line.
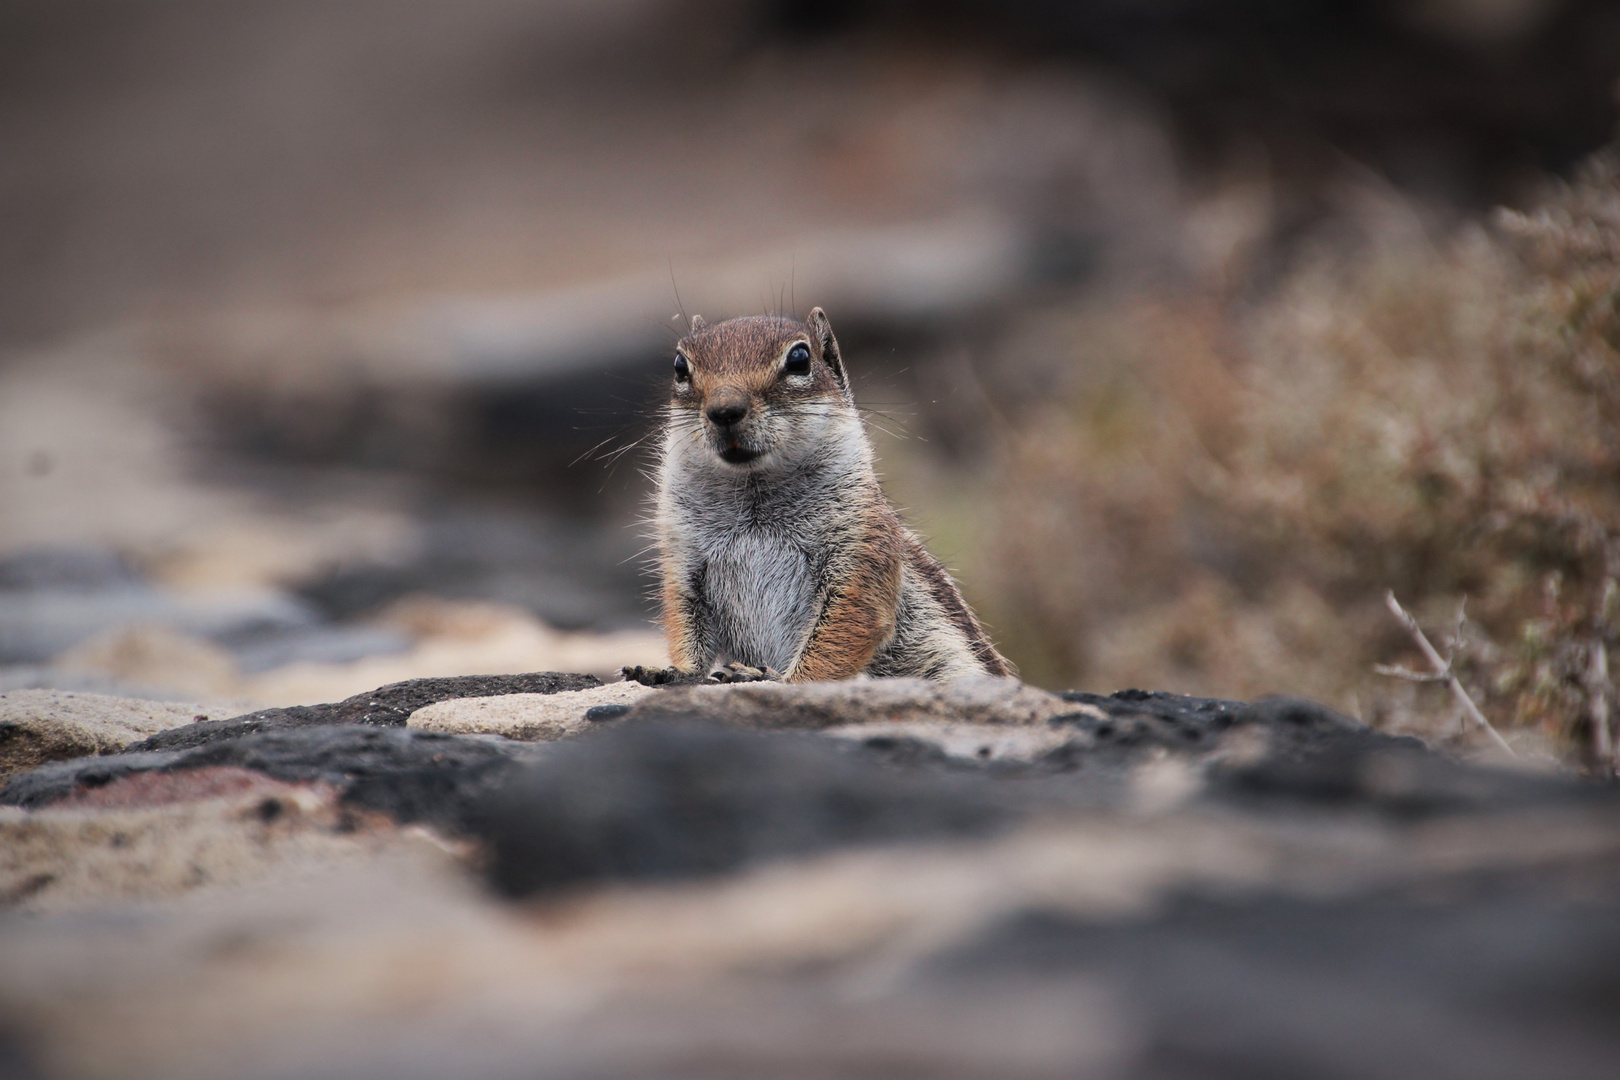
pixel 780 556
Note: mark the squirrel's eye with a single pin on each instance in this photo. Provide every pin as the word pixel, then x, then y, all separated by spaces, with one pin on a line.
pixel 798 360
pixel 683 370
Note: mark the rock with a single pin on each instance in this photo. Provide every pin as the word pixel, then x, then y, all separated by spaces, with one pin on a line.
pixel 816 706
pixel 673 799
pixel 1307 755
pixel 1396 986
pixel 154 836
pixel 1170 707
pixel 387 706
pixel 1193 944
pixel 968 742
pixel 40 726
pixel 653 795
pixel 39 623
pixel 660 795
pixel 260 652
pixel 81 569
pixel 63 779
pixel 451 636
pixel 164 788
pixel 1106 738
pixel 529 717
pixel 713 899
pixel 409 775
pixel 150 654
pixel 1132 726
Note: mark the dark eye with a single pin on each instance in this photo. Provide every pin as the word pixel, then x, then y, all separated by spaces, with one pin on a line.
pixel 683 370
pixel 798 360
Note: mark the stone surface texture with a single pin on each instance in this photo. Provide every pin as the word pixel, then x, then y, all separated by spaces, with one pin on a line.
pixel 979 742
pixel 217 827
pixel 39 726
pixel 869 879
pixel 387 706
pixel 529 717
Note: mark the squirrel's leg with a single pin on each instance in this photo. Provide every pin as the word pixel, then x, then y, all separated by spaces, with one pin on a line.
pixel 690 649
pixel 856 618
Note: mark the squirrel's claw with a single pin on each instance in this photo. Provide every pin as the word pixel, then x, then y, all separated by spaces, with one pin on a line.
pixel 734 673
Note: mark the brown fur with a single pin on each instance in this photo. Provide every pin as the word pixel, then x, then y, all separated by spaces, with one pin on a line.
pixel 858 615
pixel 944 591
pixel 678 625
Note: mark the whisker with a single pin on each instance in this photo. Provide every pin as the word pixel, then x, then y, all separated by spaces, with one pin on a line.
pixel 592 450
pixel 639 554
pixel 612 458
pixel 679 306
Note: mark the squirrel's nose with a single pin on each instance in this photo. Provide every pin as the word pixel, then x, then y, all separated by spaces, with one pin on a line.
pixel 727 411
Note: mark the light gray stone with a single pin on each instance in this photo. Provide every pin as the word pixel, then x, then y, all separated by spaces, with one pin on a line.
pixel 40 726
pixel 529 717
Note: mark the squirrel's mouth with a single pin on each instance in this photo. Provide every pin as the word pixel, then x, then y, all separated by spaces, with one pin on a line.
pixel 737 454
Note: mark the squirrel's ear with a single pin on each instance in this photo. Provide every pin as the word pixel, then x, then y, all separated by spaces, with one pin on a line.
pixel 696 323
pixel 821 333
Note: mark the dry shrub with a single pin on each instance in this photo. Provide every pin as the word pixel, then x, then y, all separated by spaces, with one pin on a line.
pixel 1223 499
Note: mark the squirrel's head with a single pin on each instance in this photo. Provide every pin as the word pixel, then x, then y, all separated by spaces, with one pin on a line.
pixel 761 391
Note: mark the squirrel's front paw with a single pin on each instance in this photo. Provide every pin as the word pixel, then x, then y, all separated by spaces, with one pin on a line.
pixel 655 676
pixel 744 673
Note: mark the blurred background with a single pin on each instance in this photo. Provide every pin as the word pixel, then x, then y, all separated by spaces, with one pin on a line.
pixel 328 330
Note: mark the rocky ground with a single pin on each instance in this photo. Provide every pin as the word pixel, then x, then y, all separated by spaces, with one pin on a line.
pixel 547 876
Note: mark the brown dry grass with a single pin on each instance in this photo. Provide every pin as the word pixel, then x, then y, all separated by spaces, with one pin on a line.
pixel 1221 498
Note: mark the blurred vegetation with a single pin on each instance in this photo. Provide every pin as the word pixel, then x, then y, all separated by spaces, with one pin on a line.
pixel 1215 494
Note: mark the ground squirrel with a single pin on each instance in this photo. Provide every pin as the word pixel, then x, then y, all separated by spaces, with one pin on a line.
pixel 780 556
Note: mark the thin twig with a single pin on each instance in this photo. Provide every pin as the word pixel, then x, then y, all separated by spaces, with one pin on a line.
pixel 1412 676
pixel 1597 688
pixel 1457 631
pixel 1442 667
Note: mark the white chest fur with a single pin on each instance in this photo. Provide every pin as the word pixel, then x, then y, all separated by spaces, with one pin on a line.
pixel 759 592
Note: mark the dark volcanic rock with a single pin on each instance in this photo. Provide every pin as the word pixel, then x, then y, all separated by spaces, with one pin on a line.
pixel 388 706
pixel 1176 708
pixel 1366 771
pixel 654 796
pixel 1301 753
pixel 673 798
pixel 156 788
pixel 1504 978
pixel 49 783
pixel 410 775
pixel 1136 723
pixel 654 800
